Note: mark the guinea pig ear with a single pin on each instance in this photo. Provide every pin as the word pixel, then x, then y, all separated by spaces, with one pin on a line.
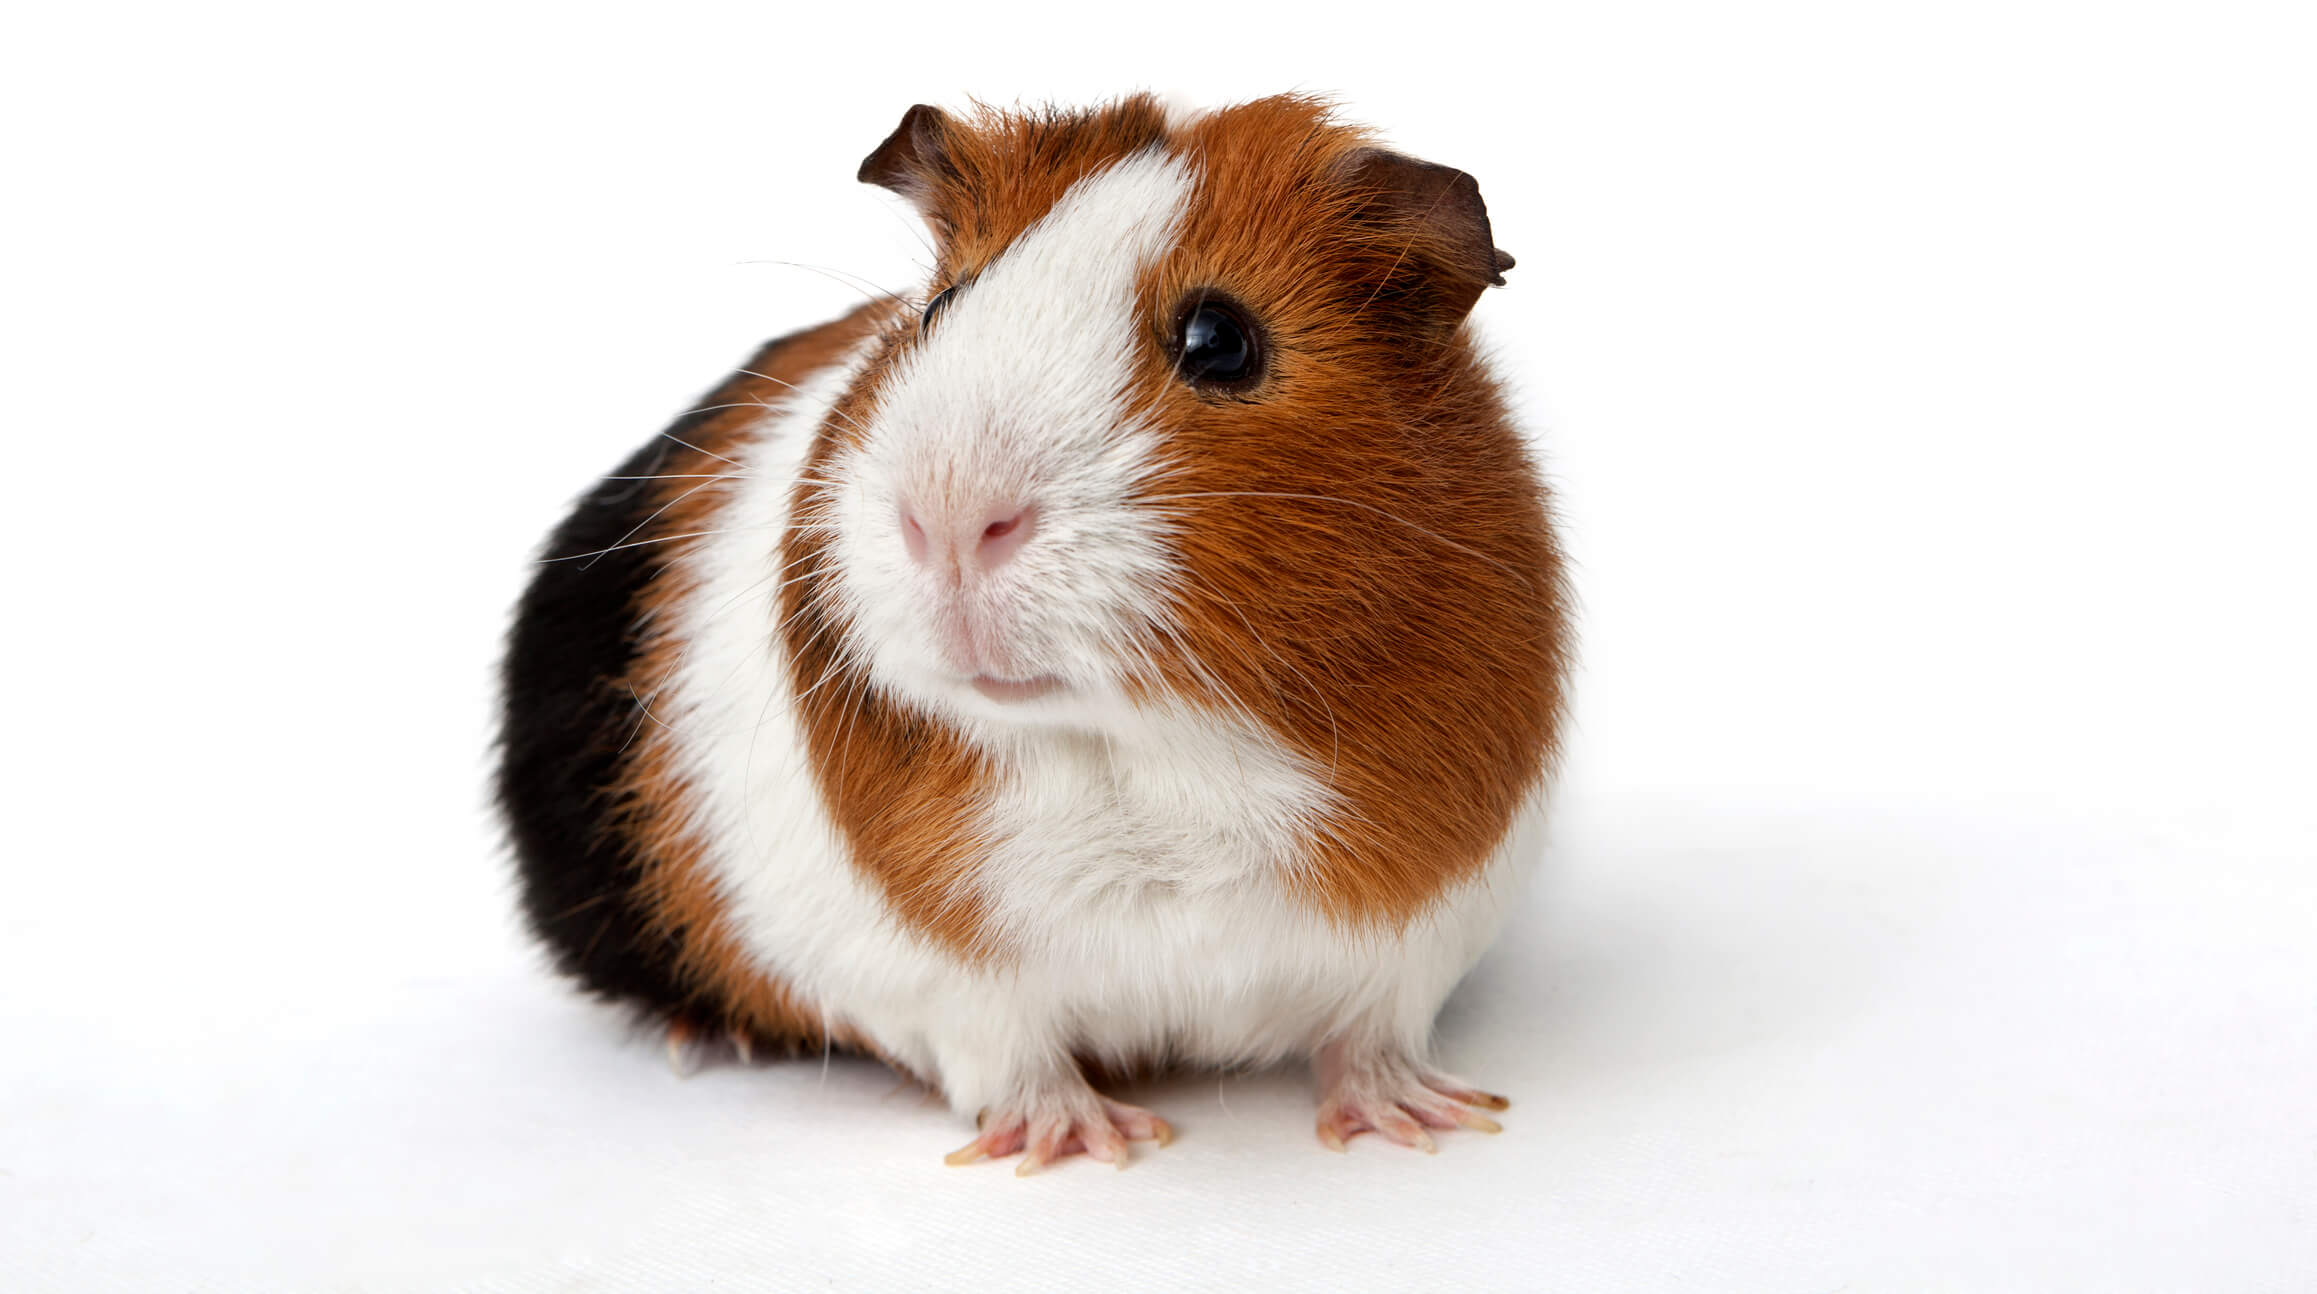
pixel 913 158
pixel 1438 209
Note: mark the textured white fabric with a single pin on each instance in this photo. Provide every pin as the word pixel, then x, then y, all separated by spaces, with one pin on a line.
pixel 1807 1045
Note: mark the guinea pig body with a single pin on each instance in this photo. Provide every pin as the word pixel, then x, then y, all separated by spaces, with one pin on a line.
pixel 1147 647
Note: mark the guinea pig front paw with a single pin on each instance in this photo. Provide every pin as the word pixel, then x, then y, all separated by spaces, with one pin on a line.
pixel 1052 1122
pixel 1395 1097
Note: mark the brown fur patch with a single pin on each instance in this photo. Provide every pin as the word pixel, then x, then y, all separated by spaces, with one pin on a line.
pixel 901 788
pixel 1371 566
pixel 982 179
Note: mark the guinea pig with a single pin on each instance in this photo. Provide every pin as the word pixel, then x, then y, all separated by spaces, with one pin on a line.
pixel 1144 646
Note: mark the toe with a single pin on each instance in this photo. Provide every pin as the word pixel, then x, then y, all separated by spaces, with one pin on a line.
pixel 1105 1143
pixel 1050 1139
pixel 999 1138
pixel 1338 1125
pixel 1397 1126
pixel 1457 1091
pixel 1433 1114
pixel 1137 1123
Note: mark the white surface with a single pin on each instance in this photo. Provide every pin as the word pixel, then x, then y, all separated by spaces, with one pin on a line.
pixel 1790 1046
pixel 1931 903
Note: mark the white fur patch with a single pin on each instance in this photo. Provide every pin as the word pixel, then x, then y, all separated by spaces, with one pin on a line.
pixel 1021 392
pixel 1139 869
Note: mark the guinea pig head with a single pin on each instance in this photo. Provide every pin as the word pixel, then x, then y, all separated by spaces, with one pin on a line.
pixel 1187 417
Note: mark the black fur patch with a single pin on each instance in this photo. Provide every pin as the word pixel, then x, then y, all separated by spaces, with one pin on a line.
pixel 566 719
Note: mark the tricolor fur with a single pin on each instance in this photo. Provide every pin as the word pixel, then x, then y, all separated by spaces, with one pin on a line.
pixel 1305 642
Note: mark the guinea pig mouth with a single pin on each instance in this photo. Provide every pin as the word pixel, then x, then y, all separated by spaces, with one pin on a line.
pixel 1009 690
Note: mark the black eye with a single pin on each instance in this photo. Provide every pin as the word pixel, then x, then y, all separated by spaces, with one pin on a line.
pixel 933 307
pixel 1215 344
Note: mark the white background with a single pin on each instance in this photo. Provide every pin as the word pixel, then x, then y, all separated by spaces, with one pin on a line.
pixel 1931 394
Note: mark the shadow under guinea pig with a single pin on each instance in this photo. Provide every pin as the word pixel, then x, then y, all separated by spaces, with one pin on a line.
pixel 1661 933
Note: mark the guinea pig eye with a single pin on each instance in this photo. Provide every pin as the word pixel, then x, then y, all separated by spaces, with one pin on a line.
pixel 933 307
pixel 1215 345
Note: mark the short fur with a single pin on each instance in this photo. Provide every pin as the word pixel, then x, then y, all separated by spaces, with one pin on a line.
pixel 1311 634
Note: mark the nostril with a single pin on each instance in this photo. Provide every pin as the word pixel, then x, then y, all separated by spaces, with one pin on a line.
pixel 913 537
pixel 1003 536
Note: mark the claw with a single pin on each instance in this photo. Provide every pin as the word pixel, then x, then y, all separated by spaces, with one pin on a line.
pixel 679 1037
pixel 741 1044
pixel 970 1153
pixel 1333 1140
pixel 1478 1122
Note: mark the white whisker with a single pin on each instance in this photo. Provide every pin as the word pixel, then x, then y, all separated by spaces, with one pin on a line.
pixel 686 476
pixel 1349 503
pixel 832 412
pixel 853 281
pixel 631 533
pixel 660 539
pixel 697 450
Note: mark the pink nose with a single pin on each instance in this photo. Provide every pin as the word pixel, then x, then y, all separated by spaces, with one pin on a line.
pixel 970 541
